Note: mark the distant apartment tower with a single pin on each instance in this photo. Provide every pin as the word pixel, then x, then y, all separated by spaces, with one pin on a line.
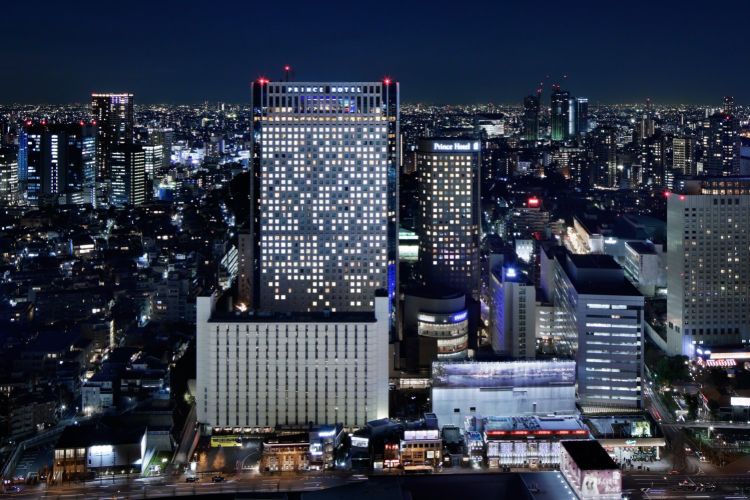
pixel 603 326
pixel 531 118
pixel 128 176
pixel 322 195
pixel 8 176
pixel 114 116
pixel 721 145
pixel 449 218
pixel 708 262
pixel 682 156
pixel 603 141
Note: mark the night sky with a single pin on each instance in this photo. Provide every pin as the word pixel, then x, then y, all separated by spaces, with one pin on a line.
pixel 442 52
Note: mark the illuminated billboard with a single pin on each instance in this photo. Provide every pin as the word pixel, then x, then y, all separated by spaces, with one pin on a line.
pixel 503 374
pixel 600 483
pixel 640 429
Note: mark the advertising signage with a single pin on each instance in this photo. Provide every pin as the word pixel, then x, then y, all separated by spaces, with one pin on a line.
pixel 503 374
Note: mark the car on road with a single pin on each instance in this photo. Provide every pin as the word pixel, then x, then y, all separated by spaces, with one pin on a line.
pixel 13 489
pixel 217 479
pixel 191 479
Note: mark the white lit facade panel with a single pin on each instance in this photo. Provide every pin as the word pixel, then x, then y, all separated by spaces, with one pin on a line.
pixel 268 373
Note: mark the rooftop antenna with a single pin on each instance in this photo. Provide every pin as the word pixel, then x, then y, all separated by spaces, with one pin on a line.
pixel 287 73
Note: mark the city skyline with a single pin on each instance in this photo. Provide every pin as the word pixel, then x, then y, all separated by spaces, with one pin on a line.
pixel 345 264
pixel 492 52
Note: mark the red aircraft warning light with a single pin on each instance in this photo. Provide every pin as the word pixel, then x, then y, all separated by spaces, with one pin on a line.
pixel 533 202
pixel 387 80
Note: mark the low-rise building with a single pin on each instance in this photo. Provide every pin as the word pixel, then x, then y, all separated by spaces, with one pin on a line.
pixel 96 448
pixel 325 442
pixel 421 450
pixel 289 452
pixel 529 441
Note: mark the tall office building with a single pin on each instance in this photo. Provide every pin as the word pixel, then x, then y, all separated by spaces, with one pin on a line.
pixel 531 118
pixel 324 186
pixel 128 175
pixel 23 164
pixel 560 114
pixel 449 214
pixel 512 313
pixel 113 114
pixel 317 273
pixel 8 176
pixel 82 164
pixel 58 163
pixel 708 262
pixel 581 123
pixel 603 326
pixel 154 162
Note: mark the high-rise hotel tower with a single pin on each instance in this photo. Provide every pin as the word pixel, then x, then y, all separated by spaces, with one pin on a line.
pixel 308 340
pixel 323 195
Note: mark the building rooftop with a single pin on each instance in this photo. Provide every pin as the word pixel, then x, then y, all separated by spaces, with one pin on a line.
pixel 570 424
pixel 641 247
pixel 593 261
pixel 621 426
pixel 589 455
pixel 225 312
pixel 85 435
pixel 280 317
pixel 596 274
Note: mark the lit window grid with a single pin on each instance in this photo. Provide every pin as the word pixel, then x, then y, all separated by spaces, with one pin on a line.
pixel 323 247
pixel 449 233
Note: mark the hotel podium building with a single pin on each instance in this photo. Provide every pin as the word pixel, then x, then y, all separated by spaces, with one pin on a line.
pixel 309 338
pixel 266 369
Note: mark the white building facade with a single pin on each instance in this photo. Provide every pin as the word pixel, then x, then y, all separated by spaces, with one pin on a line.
pixel 258 370
pixel 708 262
